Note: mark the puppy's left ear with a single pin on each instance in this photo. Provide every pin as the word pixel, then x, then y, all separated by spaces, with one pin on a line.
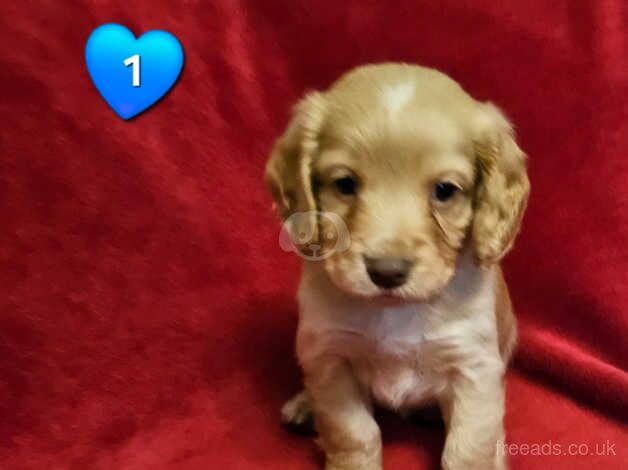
pixel 502 190
pixel 289 169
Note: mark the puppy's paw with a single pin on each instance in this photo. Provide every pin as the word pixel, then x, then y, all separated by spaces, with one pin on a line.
pixel 375 466
pixel 297 415
pixel 354 461
pixel 481 462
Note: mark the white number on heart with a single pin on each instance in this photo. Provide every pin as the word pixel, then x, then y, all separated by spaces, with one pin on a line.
pixel 135 61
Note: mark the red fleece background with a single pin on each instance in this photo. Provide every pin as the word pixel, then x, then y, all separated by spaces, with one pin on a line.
pixel 147 312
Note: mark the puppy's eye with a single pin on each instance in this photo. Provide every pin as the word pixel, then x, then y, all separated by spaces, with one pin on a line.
pixel 347 185
pixel 444 191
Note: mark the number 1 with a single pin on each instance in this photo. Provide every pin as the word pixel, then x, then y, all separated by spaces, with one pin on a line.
pixel 135 60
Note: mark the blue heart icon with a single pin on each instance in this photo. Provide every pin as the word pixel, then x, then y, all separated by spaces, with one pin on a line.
pixel 132 74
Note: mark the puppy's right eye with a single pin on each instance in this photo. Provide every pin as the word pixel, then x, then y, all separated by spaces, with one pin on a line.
pixel 347 185
pixel 444 191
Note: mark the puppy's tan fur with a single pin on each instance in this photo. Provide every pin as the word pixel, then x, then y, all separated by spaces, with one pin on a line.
pixel 447 333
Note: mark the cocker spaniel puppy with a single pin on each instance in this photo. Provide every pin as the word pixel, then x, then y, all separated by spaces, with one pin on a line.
pixel 430 187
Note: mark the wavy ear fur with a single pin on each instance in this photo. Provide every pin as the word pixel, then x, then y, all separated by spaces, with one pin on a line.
pixel 288 171
pixel 502 190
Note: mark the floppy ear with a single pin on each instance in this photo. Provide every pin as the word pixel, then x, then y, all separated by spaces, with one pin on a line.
pixel 289 170
pixel 502 190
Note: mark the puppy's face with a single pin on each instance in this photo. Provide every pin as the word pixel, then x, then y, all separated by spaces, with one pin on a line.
pixel 416 169
pixel 406 199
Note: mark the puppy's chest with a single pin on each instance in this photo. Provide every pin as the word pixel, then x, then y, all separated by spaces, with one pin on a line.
pixel 399 373
pixel 391 354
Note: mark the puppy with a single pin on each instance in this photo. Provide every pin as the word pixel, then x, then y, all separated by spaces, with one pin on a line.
pixel 431 188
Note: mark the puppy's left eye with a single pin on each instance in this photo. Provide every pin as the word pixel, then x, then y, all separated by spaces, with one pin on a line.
pixel 444 191
pixel 347 185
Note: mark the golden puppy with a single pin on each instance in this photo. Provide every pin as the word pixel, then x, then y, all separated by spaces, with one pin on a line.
pixel 430 187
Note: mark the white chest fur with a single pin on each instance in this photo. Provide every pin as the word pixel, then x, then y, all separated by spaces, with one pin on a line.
pixel 401 354
pixel 397 366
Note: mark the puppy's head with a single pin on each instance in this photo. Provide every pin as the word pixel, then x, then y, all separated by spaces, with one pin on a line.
pixel 417 170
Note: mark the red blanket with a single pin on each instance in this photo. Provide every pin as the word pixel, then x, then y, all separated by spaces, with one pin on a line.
pixel 146 309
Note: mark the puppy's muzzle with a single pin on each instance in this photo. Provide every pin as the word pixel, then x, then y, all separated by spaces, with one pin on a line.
pixel 388 272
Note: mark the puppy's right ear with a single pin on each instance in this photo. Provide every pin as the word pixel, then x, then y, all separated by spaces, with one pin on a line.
pixel 289 170
pixel 503 187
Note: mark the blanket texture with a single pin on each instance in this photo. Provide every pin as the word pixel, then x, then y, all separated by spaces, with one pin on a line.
pixel 147 312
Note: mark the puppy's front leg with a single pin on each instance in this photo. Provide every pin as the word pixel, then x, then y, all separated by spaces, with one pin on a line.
pixel 347 431
pixel 473 411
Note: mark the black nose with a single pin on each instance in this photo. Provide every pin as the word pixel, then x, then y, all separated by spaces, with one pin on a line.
pixel 388 272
